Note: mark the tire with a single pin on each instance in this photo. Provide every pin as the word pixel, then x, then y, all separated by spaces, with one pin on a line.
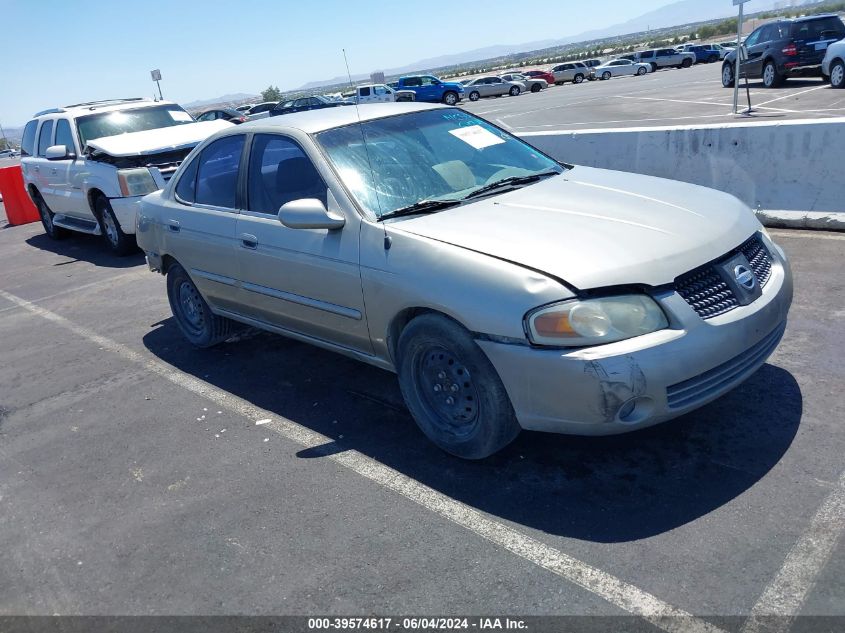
pixel 450 98
pixel 686 63
pixel 439 358
pixel 474 96
pixel 712 59
pixel 119 242
pixel 641 71
pixel 837 74
pixel 727 75
pixel 771 77
pixel 577 79
pixel 195 319
pixel 558 83
pixel 535 88
pixel 53 232
pixel 653 67
pixel 606 75
pixel 514 91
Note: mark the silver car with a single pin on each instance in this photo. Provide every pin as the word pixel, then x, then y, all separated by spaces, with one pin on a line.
pixel 491 87
pixel 507 290
pixel 531 84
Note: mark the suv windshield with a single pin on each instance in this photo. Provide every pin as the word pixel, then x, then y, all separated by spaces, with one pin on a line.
pixel 133 120
pixel 441 154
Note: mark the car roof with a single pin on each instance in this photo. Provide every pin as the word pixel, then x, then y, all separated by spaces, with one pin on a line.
pixel 110 105
pixel 313 121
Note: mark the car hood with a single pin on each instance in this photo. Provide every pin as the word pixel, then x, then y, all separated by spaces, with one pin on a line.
pixel 158 140
pixel 594 227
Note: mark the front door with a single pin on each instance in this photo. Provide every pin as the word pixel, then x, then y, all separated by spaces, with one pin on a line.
pixel 304 280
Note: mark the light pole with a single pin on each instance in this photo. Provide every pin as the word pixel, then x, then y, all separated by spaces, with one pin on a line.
pixel 738 54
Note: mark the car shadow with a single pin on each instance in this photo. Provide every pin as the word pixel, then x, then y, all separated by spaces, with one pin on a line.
pixel 610 489
pixel 84 247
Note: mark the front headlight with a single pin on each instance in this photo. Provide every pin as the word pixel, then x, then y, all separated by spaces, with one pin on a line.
pixel 136 182
pixel 594 321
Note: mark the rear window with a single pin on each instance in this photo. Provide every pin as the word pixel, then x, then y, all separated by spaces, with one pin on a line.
pixel 822 29
pixel 28 139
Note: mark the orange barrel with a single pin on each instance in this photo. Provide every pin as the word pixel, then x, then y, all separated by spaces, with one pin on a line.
pixel 19 208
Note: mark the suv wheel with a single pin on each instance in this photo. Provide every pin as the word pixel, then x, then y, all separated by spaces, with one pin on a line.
pixel 195 319
pixel 452 390
pixel 837 74
pixel 119 242
pixel 578 78
pixel 53 232
pixel 771 77
pixel 727 75
pixel 653 67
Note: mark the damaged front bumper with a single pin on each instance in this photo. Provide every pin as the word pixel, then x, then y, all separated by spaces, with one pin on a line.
pixel 649 379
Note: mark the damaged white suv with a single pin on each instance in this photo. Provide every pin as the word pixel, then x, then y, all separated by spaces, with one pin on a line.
pixel 86 166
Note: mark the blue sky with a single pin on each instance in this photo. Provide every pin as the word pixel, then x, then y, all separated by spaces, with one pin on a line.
pixel 80 50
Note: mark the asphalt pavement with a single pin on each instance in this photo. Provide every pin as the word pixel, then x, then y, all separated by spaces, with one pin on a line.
pixel 135 479
pixel 689 96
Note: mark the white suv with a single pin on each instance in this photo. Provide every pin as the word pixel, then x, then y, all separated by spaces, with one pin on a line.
pixel 86 166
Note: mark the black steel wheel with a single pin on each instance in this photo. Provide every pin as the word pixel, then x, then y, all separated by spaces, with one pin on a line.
pixel 195 319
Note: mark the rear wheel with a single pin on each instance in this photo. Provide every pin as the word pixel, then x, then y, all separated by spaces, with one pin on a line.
pixel 771 77
pixel 653 67
pixel 119 242
pixel 727 75
pixel 578 78
pixel 450 98
pixel 195 319
pixel 452 390
pixel 53 232
pixel 712 59
pixel 837 74
pixel 535 87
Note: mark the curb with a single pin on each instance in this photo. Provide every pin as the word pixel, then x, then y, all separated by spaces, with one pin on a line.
pixel 817 220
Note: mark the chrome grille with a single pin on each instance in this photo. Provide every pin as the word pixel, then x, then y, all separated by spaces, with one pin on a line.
pixel 695 390
pixel 706 292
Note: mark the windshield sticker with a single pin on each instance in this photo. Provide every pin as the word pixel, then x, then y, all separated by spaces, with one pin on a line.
pixel 476 136
pixel 178 115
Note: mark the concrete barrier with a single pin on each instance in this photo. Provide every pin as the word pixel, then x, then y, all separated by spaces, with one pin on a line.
pixel 791 172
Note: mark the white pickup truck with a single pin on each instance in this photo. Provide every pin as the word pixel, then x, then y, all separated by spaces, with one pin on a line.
pixel 381 93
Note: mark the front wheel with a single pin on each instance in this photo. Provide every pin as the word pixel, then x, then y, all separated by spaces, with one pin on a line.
pixel 119 242
pixel 837 74
pixel 474 96
pixel 514 91
pixel 641 71
pixel 686 63
pixel 535 87
pixel 605 75
pixel 578 78
pixel 450 98
pixel 452 390
pixel 727 75
pixel 195 319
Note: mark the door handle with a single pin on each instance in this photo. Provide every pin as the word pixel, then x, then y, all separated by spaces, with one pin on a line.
pixel 173 226
pixel 249 241
pixel 54 171
pixel 36 168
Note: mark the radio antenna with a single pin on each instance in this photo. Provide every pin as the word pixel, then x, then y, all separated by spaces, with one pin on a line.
pixel 366 148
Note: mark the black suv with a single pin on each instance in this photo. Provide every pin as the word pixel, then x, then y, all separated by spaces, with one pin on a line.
pixel 785 48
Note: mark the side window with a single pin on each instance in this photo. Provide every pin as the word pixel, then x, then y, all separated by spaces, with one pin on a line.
pixel 64 135
pixel 301 102
pixel 44 136
pixel 413 81
pixel 279 172
pixel 28 139
pixel 217 176
pixel 380 90
pixel 187 185
pixel 365 91
pixel 752 39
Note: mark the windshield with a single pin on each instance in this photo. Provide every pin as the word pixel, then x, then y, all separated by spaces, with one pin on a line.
pixel 125 121
pixel 442 154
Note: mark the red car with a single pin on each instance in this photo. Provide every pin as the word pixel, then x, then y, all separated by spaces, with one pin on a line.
pixel 541 74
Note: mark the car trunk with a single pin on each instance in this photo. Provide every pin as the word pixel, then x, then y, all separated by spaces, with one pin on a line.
pixel 812 37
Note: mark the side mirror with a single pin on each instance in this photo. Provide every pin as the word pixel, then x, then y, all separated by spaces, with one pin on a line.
pixel 309 213
pixel 59 152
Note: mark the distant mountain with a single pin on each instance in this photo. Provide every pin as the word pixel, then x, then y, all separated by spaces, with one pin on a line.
pixel 230 98
pixel 675 14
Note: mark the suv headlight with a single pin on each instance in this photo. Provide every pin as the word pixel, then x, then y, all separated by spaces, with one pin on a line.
pixel 576 323
pixel 136 182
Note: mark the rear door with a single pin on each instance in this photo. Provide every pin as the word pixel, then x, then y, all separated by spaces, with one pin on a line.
pixel 304 280
pixel 67 176
pixel 199 225
pixel 42 174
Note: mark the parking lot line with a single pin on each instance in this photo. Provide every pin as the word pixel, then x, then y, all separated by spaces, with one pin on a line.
pixel 612 589
pixel 786 593
pixel 723 105
pixel 792 94
pixel 814 235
